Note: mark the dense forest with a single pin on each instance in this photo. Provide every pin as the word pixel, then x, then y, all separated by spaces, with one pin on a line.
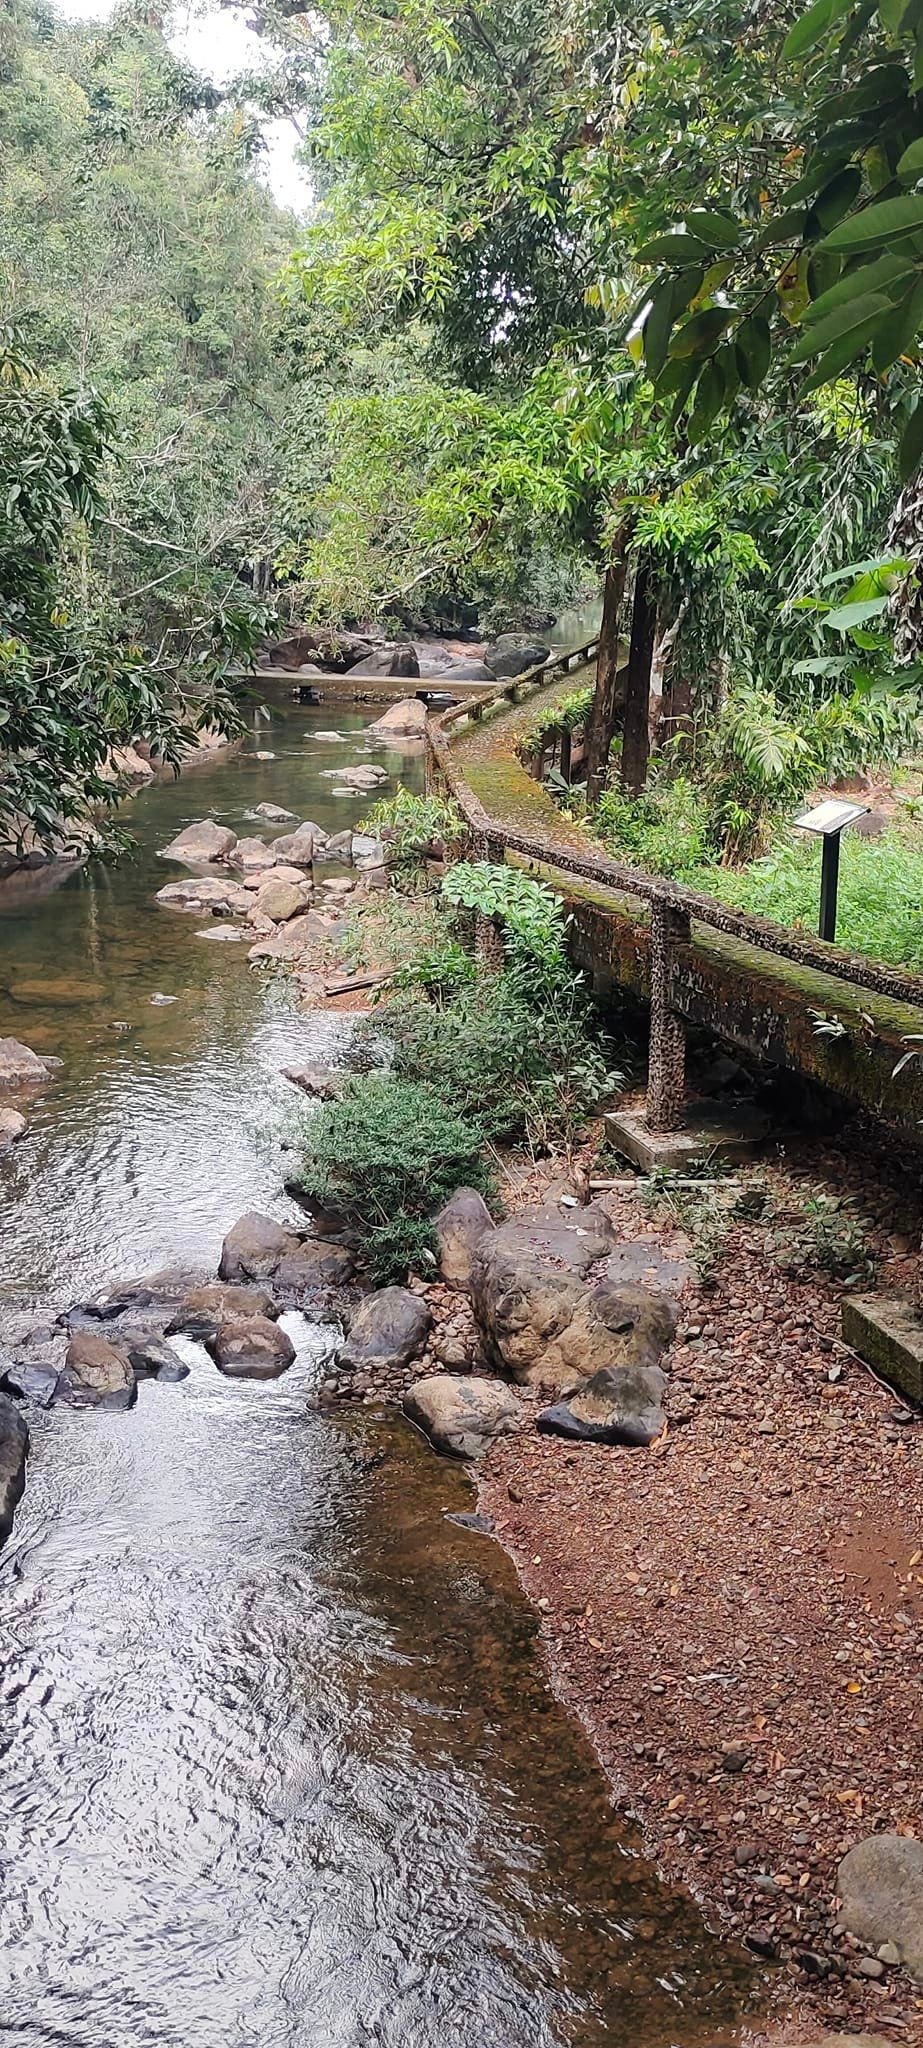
pixel 629 296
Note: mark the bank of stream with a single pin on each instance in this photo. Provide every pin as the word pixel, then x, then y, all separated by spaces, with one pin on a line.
pixel 281 1767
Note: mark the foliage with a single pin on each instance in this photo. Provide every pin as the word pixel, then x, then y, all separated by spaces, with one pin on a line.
pixel 827 1238
pixel 415 826
pixel 389 1152
pixel 532 917
pixel 568 714
pixel 880 894
pixel 696 1202
pixel 665 830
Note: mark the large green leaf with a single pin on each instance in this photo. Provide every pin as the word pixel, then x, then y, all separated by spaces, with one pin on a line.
pixel 812 27
pixel 715 229
pixel 701 332
pixel 898 329
pixel 911 448
pixel 709 398
pixel 847 616
pixel 836 198
pixel 657 329
pixel 853 313
pixel 674 249
pixel 890 220
pixel 910 166
pixel 843 352
pixel 754 350
pixel 881 275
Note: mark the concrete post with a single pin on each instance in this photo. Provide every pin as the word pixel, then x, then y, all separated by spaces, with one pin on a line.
pixel 666 1070
pixel 488 938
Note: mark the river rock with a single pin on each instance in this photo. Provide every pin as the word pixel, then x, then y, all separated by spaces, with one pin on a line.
pixel 28 1382
pixel 459 1228
pixel 362 778
pixel 620 1405
pixel 20 1067
pixel 274 814
pixel 251 857
pixel 96 1373
pixel 513 654
pixel 154 1290
pixel 539 1319
pixel 390 1329
pixel 324 1082
pixel 313 1266
pixel 462 1415
pixel 880 1885
pixel 222 898
pixel 367 851
pixel 280 900
pixel 148 1354
pixel 204 1309
pixel 14 1450
pixel 258 1248
pixel 256 1350
pixel 12 1127
pixel 286 942
pixel 339 847
pixel 203 841
pixel 405 720
pixel 299 847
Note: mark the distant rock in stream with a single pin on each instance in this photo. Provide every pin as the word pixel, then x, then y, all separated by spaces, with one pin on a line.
pixel 258 1248
pixel 96 1373
pixel 21 1068
pixel 14 1450
pixel 257 1349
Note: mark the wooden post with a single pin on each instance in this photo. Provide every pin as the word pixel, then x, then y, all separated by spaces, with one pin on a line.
pixel 666 1066
pixel 600 724
pixel 636 742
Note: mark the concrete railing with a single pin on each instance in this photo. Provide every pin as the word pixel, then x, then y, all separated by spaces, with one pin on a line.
pixel 672 907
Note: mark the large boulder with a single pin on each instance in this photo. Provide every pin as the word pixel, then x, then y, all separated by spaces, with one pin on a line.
pixel 880 1885
pixel 260 1249
pixel 251 857
pixel 222 898
pixel 280 900
pixel 202 841
pixel 404 660
pixel 542 1323
pixel 335 652
pixel 390 1329
pixel 204 1309
pixel 513 654
pixel 339 847
pixel 20 1067
pixel 405 720
pixel 459 1228
pixel 96 1373
pixel 256 1350
pixel 14 1450
pixel 462 1415
pixel 619 1405
pixel 300 847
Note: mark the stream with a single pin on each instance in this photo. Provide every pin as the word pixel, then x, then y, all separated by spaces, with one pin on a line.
pixel 281 1766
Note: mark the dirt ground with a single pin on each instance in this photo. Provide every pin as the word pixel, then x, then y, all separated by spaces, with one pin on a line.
pixel 736 1613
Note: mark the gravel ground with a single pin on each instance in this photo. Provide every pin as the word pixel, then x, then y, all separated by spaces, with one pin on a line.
pixel 736 1613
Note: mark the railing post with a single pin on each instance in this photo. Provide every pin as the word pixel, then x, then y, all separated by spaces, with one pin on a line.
pixel 666 1067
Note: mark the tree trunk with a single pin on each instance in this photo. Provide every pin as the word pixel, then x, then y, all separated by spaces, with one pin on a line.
pixel 600 724
pixel 635 731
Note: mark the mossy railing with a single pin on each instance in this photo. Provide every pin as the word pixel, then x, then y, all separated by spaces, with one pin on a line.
pixel 671 906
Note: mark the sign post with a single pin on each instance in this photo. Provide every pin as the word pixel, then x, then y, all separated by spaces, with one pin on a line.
pixel 828 820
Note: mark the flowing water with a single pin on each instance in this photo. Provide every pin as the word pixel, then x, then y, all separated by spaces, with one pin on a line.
pixel 279 1764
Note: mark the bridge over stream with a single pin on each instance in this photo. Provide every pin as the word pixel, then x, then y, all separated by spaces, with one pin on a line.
pixel 758 986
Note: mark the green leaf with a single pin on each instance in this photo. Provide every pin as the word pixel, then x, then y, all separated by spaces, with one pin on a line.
pixel 812 27
pixel 754 347
pixel 701 332
pixel 839 357
pixel 853 313
pixel 910 165
pixel 676 378
pixel 885 271
pixel 911 448
pixel 892 13
pixel 898 329
pixel 709 398
pixel 657 329
pixel 848 615
pixel 888 221
pixel 715 229
pixel 674 249
pixel 837 198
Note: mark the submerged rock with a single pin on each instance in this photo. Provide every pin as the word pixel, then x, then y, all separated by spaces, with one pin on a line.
pixel 274 814
pixel 204 1309
pixel 202 841
pixel 96 1373
pixel 256 1349
pixel 223 898
pixel 459 1228
pixel 620 1405
pixel 12 1127
pixel 880 1884
pixel 14 1450
pixel 390 1329
pixel 462 1416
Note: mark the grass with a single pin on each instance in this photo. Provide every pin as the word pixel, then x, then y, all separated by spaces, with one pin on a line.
pixel 880 901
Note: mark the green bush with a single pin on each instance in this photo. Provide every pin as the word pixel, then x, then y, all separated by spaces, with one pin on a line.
pixel 664 830
pixel 389 1152
pixel 414 826
pixel 880 906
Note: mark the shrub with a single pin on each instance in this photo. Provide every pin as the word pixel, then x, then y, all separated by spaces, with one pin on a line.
pixel 389 1153
pixel 415 826
pixel 880 894
pixel 664 830
pixel 532 916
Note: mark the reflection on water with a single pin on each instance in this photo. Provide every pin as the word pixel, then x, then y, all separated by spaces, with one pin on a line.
pixel 279 1765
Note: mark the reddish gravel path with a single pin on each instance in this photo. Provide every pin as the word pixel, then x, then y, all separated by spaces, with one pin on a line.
pixel 738 1613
